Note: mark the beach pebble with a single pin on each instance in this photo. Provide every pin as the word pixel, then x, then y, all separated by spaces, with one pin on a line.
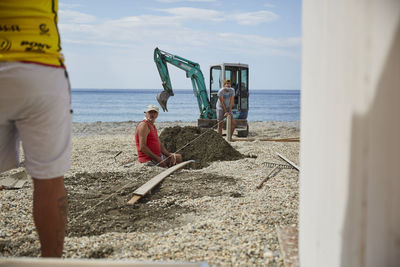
pixel 235 226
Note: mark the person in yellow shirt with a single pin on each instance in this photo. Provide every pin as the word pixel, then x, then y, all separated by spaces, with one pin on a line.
pixel 35 109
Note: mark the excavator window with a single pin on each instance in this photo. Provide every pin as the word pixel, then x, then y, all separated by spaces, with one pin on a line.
pixel 215 84
pixel 233 74
pixel 244 89
pixel 216 76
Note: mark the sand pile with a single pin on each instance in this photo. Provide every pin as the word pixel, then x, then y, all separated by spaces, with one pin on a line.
pixel 202 145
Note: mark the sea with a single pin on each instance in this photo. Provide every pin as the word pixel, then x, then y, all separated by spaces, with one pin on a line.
pixel 116 105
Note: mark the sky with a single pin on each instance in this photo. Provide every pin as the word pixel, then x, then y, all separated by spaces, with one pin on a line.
pixel 109 44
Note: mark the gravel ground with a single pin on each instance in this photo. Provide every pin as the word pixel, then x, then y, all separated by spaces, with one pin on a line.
pixel 213 214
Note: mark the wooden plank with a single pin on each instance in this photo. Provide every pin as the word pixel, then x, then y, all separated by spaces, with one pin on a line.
pixel 267 139
pixel 7 182
pixel 294 139
pixel 20 175
pixel 288 161
pixel 288 238
pixel 134 199
pixel 14 181
pixel 19 184
pixel 11 183
pixel 141 191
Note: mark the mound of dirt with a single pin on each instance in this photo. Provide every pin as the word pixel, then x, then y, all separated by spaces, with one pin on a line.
pixel 202 145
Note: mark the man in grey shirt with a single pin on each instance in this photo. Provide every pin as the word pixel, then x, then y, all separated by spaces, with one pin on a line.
pixel 224 106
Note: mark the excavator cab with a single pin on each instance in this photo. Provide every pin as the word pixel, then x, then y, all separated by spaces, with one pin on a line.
pixel 239 76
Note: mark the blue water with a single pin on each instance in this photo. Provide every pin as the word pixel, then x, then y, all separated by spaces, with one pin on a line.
pixel 91 105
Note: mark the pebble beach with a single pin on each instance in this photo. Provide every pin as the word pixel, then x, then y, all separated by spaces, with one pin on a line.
pixel 215 214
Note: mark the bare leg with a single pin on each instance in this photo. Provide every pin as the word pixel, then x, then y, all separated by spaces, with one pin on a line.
pixel 233 125
pixel 220 123
pixel 50 209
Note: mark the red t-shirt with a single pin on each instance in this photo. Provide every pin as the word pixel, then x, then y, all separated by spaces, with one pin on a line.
pixel 152 142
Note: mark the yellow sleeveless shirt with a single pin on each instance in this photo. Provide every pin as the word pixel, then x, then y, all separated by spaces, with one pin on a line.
pixel 29 33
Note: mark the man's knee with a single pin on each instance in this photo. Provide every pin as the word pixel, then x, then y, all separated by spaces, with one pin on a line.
pixel 49 184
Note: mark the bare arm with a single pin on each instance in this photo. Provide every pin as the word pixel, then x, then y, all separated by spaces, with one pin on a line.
pixel 221 100
pixel 164 151
pixel 173 158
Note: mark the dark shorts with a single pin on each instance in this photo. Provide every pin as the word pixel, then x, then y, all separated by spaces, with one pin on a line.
pixel 154 162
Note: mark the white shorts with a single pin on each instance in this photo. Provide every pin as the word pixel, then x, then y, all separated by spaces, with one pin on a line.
pixel 220 114
pixel 35 108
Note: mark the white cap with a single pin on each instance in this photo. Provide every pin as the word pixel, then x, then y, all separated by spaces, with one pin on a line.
pixel 151 107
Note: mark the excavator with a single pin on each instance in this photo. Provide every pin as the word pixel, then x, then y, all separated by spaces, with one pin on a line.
pixel 238 73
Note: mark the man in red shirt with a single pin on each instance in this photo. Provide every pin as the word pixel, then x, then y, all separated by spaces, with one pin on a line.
pixel 148 145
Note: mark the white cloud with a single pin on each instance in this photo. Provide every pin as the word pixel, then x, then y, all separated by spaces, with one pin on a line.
pixel 248 39
pixel 194 13
pixel 170 39
pixel 143 21
pixel 171 31
pixel 97 43
pixel 248 18
pixel 253 44
pixel 254 18
pixel 71 16
pixel 68 6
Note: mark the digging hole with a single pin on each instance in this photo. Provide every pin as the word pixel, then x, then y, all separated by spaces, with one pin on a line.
pixel 158 211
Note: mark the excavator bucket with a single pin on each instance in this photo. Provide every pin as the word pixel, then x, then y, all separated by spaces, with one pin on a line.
pixel 162 99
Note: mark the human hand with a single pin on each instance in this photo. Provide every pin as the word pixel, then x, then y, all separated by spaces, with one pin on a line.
pixel 162 163
pixel 172 160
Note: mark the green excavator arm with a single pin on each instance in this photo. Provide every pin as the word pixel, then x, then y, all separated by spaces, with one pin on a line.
pixel 193 71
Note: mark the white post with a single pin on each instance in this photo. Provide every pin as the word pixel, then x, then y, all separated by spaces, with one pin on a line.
pixel 350 132
pixel 228 128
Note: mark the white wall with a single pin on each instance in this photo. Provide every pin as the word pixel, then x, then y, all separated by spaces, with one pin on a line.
pixel 350 133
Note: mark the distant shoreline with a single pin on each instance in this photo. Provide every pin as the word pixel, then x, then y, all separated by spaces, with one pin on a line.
pixel 127 127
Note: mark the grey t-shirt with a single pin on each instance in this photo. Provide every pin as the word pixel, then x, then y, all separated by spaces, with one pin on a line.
pixel 227 97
